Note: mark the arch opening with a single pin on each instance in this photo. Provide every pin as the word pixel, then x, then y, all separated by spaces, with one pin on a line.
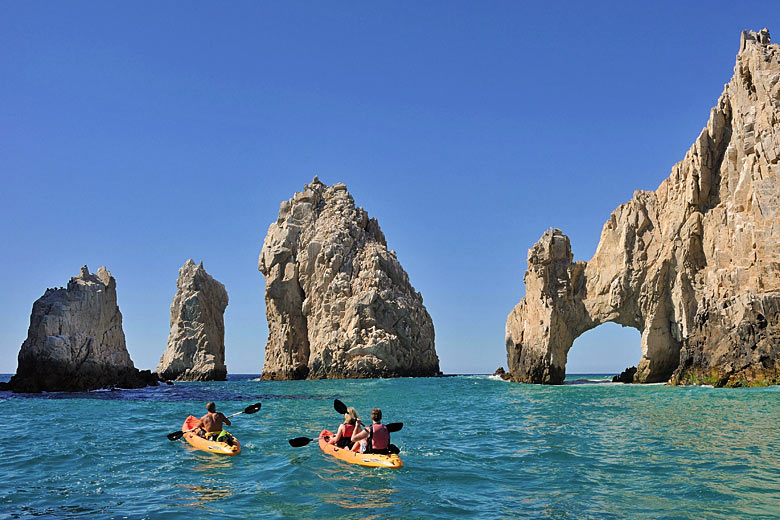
pixel 607 349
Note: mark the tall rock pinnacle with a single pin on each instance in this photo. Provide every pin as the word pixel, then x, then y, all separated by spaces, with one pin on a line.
pixel 76 342
pixel 338 303
pixel 694 265
pixel 196 343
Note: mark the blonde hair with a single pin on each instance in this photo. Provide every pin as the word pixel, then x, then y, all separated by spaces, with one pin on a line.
pixel 351 416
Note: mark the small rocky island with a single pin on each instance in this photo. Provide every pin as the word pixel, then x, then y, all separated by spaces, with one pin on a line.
pixel 75 341
pixel 338 303
pixel 694 266
pixel 196 343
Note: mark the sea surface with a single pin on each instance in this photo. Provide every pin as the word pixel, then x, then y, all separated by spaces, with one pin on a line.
pixel 472 446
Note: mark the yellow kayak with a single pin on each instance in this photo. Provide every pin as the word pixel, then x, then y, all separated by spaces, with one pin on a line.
pixel 198 442
pixel 374 460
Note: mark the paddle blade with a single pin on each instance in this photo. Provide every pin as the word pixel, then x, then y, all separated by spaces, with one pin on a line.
pixel 175 436
pixel 299 441
pixel 252 408
pixel 339 406
pixel 394 426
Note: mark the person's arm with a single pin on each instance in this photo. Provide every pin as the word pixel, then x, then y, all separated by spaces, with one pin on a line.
pixel 338 436
pixel 359 433
pixel 225 419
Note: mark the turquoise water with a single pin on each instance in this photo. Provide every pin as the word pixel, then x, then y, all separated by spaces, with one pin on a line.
pixel 473 447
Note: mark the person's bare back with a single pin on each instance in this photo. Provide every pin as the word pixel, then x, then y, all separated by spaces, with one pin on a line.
pixel 213 420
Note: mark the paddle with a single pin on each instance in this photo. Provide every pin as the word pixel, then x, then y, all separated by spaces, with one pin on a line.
pixel 252 408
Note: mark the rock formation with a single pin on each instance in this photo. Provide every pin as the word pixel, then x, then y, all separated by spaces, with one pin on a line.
pixel 75 341
pixel 500 372
pixel 338 303
pixel 626 376
pixel 694 265
pixel 196 343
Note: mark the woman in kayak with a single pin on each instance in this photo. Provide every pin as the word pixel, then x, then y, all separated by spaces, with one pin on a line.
pixel 344 434
pixel 375 438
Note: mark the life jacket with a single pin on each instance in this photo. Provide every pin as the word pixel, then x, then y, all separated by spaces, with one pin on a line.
pixel 346 436
pixel 220 436
pixel 378 438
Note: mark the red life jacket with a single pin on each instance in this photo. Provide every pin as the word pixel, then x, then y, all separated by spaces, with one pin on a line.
pixel 346 436
pixel 379 438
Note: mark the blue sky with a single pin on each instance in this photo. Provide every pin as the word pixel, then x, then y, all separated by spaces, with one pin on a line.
pixel 138 135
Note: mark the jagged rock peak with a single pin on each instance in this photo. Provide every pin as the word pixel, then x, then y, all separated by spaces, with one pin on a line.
pixel 694 265
pixel 75 341
pixel 196 343
pixel 338 303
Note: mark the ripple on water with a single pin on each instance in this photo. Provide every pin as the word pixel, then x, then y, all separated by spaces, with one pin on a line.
pixel 472 447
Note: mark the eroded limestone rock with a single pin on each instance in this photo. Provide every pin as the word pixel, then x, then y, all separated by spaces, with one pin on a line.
pixel 694 266
pixel 75 341
pixel 196 343
pixel 338 303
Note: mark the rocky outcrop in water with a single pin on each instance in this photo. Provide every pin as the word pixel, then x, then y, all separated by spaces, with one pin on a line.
pixel 500 372
pixel 196 343
pixel 338 303
pixel 694 265
pixel 626 376
pixel 76 342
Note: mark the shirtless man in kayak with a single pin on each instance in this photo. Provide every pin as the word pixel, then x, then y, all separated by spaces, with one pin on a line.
pixel 213 420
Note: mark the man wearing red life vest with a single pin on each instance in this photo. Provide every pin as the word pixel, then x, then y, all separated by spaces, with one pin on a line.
pixel 375 438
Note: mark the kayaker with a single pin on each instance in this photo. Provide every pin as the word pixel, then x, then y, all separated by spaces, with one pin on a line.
pixel 375 438
pixel 210 425
pixel 343 437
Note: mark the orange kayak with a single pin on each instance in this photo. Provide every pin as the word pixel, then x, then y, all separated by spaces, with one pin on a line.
pixel 373 460
pixel 200 443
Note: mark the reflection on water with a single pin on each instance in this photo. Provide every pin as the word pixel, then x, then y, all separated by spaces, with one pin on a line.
pixel 362 497
pixel 355 488
pixel 203 494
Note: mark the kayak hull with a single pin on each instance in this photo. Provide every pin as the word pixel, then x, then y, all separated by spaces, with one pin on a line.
pixel 373 460
pixel 199 443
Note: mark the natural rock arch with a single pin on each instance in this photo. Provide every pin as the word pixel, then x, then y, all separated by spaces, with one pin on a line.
pixel 694 266
pixel 567 306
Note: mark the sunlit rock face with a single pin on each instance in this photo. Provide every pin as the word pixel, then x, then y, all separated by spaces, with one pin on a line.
pixel 338 303
pixel 694 265
pixel 196 343
pixel 75 341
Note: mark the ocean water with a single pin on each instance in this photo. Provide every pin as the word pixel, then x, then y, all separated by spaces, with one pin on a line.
pixel 472 446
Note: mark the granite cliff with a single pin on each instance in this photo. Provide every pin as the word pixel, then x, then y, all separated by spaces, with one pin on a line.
pixel 694 265
pixel 196 343
pixel 338 303
pixel 75 341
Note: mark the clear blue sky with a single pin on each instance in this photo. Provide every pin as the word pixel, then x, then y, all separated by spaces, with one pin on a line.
pixel 137 135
